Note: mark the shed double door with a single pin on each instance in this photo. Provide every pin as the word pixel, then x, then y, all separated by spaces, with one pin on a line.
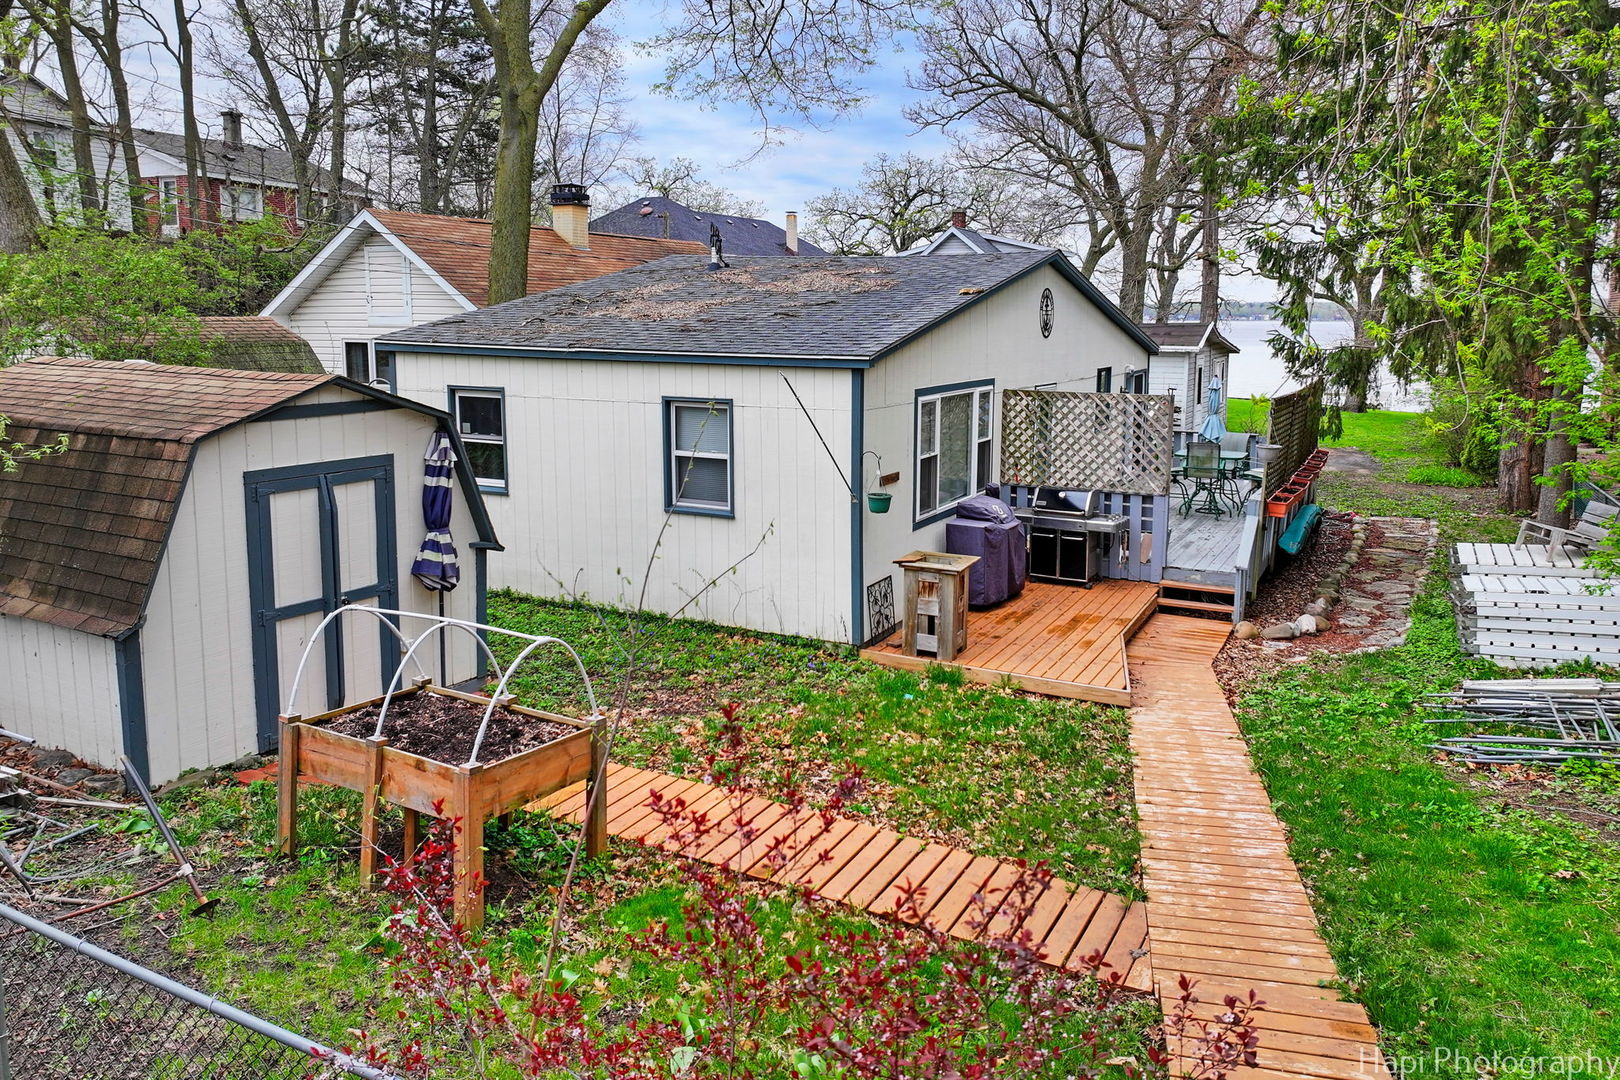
pixel 320 536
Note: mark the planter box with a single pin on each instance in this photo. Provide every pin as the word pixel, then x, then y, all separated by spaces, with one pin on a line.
pixel 421 785
pixel 1281 501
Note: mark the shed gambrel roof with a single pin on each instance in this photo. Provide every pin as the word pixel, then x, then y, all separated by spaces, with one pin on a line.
pixel 82 532
pixel 850 309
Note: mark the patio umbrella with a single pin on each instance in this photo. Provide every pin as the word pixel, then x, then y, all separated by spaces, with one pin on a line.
pixel 1214 427
pixel 436 566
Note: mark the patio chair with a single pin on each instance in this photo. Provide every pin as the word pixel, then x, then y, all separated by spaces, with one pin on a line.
pixel 1203 469
pixel 1233 442
pixel 1584 534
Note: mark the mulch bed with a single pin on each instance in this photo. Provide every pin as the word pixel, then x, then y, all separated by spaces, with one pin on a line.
pixel 443 728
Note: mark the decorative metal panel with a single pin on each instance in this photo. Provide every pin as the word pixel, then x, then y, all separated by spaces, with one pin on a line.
pixel 880 615
pixel 1088 441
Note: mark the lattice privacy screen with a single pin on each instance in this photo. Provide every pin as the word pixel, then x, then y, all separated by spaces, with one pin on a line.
pixel 1294 424
pixel 1093 442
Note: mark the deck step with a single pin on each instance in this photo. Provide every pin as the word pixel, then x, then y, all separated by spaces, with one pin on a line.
pixel 1194 605
pixel 1195 586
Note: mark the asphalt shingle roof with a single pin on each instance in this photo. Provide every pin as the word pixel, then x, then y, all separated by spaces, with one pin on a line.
pixel 660 217
pixel 845 307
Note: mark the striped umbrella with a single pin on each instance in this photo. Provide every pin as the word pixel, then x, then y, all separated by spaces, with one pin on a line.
pixel 436 566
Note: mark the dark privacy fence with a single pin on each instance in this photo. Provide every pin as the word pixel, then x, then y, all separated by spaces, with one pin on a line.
pixel 72 1010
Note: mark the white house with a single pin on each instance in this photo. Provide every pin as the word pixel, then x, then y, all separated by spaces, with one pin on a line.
pixel 1190 355
pixel 724 426
pixel 389 269
pixel 160 579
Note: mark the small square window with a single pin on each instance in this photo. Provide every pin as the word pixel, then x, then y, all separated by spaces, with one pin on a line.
pixel 1105 380
pixel 481 419
pixel 699 450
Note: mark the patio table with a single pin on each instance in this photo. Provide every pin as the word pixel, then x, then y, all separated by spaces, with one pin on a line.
pixel 1233 463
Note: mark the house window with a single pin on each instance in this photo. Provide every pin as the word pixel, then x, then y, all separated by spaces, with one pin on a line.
pixel 243 203
pixel 1198 393
pixel 169 201
pixel 1105 380
pixel 698 441
pixel 954 430
pixel 365 363
pixel 42 151
pixel 481 420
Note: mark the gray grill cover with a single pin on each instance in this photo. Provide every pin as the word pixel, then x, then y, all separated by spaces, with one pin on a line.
pixel 1003 555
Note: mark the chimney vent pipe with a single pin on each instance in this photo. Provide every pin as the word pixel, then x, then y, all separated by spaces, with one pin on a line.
pixel 958 219
pixel 571 214
pixel 792 232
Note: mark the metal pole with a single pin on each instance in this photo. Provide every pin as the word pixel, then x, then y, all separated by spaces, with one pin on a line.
pixel 5 1034
pixel 185 993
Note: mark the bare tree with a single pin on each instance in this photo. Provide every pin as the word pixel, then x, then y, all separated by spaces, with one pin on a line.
pixel 584 128
pixel 106 40
pixel 54 18
pixel 1106 100
pixel 680 179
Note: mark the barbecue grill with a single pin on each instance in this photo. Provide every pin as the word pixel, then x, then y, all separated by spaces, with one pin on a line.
pixel 1067 537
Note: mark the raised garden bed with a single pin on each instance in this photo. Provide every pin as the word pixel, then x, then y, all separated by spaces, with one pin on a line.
pixel 421 764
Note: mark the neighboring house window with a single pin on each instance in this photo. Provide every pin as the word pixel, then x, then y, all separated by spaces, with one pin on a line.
pixel 243 203
pixel 1198 393
pixel 1105 380
pixel 481 420
pixel 699 450
pixel 169 197
pixel 42 152
pixel 365 363
pixel 954 430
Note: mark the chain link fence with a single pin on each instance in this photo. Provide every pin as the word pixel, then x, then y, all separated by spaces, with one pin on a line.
pixel 70 1009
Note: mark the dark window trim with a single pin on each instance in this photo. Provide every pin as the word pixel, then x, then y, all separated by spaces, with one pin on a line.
pixel 667 449
pixel 941 513
pixel 1105 380
pixel 450 393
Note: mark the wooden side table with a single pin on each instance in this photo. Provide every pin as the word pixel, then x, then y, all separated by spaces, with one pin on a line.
pixel 936 602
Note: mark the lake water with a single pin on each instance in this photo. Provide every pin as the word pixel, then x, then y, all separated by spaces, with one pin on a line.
pixel 1254 370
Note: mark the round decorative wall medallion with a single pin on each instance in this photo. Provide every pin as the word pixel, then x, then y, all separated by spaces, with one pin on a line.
pixel 1046 312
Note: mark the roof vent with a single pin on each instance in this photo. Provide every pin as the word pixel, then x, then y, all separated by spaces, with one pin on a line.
pixel 645 209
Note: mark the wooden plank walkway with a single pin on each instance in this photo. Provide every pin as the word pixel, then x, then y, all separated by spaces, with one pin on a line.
pixel 1537 560
pixel 1052 639
pixel 867 865
pixel 1226 905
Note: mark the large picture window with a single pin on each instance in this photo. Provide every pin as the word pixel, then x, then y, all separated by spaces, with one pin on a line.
pixel 698 452
pixel 955 430
pixel 481 420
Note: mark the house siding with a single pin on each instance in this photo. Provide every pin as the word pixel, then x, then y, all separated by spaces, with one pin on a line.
pixel 999 339
pixel 365 296
pixel 197 643
pixel 60 687
pixel 585 452
pixel 111 180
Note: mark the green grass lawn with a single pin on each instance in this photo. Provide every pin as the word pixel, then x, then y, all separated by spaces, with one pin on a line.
pixel 1469 927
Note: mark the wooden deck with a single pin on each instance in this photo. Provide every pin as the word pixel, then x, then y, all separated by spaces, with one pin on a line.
pixel 1533 560
pixel 1060 640
pixel 1205 549
pixel 1226 906
pixel 867 865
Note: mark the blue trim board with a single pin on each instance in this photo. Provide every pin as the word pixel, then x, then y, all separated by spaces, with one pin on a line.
pixel 916 419
pixel 132 701
pixel 857 509
pixel 328 408
pixel 519 352
pixel 668 451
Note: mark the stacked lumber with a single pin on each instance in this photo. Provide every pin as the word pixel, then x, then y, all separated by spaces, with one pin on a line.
pixel 1523 618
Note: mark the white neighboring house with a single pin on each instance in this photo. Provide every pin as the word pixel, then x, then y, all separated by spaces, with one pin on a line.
pixel 959 239
pixel 1190 355
pixel 389 269
pixel 736 402
pixel 160 578
pixel 41 133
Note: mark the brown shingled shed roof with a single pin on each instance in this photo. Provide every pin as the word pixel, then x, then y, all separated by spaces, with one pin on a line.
pixel 82 532
pixel 458 250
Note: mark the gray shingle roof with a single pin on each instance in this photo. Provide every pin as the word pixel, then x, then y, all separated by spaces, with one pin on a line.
pixel 249 162
pixel 657 216
pixel 844 307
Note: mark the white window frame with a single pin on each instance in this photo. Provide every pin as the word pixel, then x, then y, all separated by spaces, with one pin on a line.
pixel 676 457
pixel 457 394
pixel 169 202
pixel 981 396
pixel 243 202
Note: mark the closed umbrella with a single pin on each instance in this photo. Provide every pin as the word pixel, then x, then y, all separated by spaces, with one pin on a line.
pixel 1214 427
pixel 436 566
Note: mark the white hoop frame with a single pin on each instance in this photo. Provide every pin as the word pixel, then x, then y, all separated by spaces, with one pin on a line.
pixel 440 623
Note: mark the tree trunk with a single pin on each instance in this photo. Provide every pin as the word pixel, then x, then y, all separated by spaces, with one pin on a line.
pixel 337 69
pixel 296 147
pixel 1209 295
pixel 112 55
pixel 1521 455
pixel 60 26
pixel 1133 273
pixel 19 214
pixel 185 57
pixel 522 90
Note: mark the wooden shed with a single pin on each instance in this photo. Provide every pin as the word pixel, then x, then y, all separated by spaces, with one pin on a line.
pixel 160 579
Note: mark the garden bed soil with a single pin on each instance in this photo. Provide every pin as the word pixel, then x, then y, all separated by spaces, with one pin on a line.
pixel 443 728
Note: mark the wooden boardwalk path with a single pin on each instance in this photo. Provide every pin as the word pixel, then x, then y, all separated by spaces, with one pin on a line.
pixel 867 865
pixel 1052 639
pixel 1226 905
